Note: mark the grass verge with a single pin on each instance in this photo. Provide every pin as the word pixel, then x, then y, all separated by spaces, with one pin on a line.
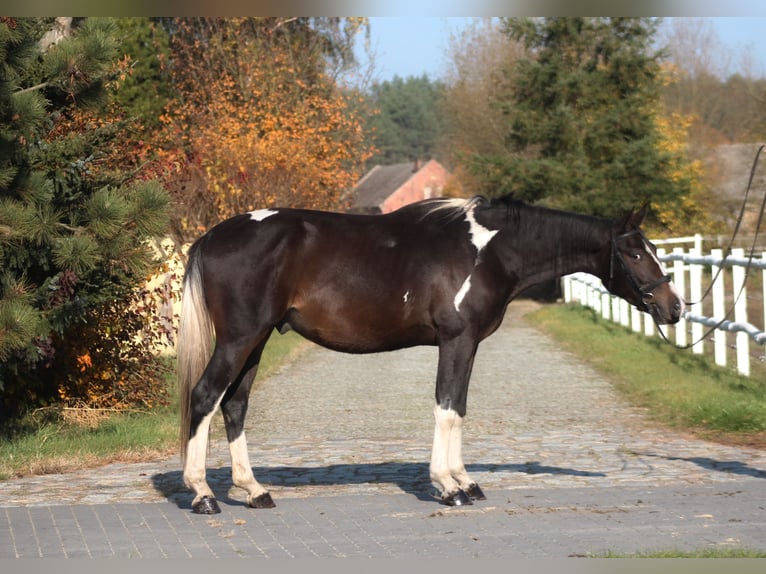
pixel 677 388
pixel 58 446
pixel 704 553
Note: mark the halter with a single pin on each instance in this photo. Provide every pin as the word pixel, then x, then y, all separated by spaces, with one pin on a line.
pixel 645 292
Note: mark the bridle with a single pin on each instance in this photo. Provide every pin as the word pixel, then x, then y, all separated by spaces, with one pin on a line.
pixel 645 292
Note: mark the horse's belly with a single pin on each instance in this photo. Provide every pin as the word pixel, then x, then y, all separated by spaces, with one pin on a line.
pixel 352 333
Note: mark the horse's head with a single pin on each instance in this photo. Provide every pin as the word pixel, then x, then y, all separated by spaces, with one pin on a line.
pixel 636 275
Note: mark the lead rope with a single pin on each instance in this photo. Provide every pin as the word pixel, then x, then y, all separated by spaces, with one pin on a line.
pixel 723 261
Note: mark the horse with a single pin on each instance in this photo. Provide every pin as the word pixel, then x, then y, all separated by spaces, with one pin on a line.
pixel 438 272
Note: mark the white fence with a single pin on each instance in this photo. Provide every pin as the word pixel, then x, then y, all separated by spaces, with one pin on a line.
pixel 690 270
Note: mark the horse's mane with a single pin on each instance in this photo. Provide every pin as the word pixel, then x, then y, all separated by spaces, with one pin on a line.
pixel 449 208
pixel 452 208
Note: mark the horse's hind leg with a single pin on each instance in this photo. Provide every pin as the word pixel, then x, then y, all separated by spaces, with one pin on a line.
pixel 224 368
pixel 234 407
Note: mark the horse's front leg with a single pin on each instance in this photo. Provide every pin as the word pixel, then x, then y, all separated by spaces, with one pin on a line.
pixel 447 469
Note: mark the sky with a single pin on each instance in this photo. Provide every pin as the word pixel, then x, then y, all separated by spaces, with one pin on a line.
pixel 416 46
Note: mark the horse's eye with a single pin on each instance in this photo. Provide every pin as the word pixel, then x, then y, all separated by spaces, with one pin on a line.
pixel 635 256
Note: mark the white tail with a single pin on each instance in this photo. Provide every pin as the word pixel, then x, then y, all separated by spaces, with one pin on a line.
pixel 195 341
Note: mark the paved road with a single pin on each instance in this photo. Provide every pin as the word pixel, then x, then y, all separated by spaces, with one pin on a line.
pixel 343 442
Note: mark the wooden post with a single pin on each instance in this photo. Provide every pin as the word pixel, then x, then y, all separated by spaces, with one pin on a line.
pixel 763 256
pixel 740 313
pixel 719 309
pixel 679 278
pixel 695 292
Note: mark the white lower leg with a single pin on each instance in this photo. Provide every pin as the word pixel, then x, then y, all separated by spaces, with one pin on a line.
pixel 194 467
pixel 455 454
pixel 440 453
pixel 241 471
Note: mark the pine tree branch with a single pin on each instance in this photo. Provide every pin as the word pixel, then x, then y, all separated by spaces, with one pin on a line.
pixel 33 88
pixel 70 228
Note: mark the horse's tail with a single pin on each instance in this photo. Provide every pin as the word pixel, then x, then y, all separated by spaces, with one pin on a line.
pixel 195 340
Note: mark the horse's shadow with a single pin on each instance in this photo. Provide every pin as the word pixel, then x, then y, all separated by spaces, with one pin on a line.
pixel 411 477
pixel 726 466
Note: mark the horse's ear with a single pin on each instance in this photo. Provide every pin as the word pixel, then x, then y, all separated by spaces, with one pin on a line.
pixel 632 219
pixel 637 218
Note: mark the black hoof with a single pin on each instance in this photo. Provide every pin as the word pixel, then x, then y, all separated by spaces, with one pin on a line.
pixel 206 505
pixel 262 501
pixel 475 493
pixel 460 498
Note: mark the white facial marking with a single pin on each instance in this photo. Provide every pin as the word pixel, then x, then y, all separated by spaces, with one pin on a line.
pixel 462 292
pixel 480 235
pixel 407 296
pixel 673 288
pixel 261 214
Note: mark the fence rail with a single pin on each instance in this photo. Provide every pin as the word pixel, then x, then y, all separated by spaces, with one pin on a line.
pixel 692 272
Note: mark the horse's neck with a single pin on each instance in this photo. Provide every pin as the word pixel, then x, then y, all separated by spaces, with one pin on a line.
pixel 568 246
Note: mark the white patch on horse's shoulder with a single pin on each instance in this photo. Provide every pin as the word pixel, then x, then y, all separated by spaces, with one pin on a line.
pixel 480 235
pixel 462 292
pixel 261 214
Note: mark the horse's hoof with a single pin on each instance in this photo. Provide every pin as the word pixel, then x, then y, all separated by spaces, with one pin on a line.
pixel 460 498
pixel 206 505
pixel 475 493
pixel 262 501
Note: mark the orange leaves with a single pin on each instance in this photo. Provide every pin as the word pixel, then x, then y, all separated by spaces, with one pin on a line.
pixel 84 362
pixel 266 127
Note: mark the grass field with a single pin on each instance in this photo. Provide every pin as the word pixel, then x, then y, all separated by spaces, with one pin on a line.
pixel 678 389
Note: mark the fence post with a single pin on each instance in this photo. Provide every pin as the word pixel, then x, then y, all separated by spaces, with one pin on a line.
pixel 719 308
pixel 763 256
pixel 635 319
pixel 679 278
pixel 606 306
pixel 740 313
pixel 566 287
pixel 594 299
pixel 695 292
pixel 663 330
pixel 624 313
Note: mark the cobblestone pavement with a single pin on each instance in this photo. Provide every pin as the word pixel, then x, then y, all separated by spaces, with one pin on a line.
pixel 330 434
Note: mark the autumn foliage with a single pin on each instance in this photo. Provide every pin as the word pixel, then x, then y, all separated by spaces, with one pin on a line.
pixel 690 211
pixel 258 122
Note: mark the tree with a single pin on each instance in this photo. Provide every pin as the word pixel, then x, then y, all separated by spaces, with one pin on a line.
pixel 479 79
pixel 72 231
pixel 726 107
pixel 146 89
pixel 408 123
pixel 581 131
pixel 259 118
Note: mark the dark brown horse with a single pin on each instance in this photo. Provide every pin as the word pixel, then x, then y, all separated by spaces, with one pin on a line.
pixel 438 272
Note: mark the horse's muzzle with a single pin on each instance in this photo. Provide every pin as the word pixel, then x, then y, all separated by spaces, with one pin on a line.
pixel 665 314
